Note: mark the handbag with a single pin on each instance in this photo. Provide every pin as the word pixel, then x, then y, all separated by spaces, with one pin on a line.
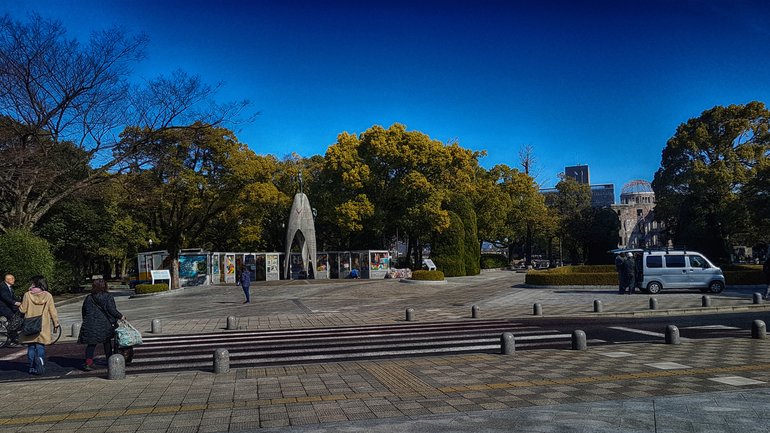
pixel 31 325
pixel 126 335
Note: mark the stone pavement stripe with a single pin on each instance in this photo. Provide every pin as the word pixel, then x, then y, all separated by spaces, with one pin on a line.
pixel 175 409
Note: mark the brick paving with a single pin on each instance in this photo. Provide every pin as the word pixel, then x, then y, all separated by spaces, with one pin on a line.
pixel 393 389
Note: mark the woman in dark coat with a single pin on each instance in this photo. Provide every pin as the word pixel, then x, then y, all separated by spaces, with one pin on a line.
pixel 99 319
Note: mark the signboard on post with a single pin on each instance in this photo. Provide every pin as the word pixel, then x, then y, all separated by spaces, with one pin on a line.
pixel 161 274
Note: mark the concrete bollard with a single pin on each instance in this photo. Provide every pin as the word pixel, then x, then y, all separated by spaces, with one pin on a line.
pixel 231 323
pixel 75 330
pixel 409 314
pixel 598 307
pixel 653 303
pixel 579 340
pixel 537 310
pixel 475 312
pixel 116 367
pixel 221 361
pixel 706 301
pixel 155 326
pixel 672 335
pixel 758 330
pixel 757 298
pixel 507 343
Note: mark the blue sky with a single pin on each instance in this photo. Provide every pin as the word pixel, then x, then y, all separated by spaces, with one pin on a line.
pixel 603 83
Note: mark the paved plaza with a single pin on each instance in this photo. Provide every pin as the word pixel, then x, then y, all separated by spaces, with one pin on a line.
pixel 700 385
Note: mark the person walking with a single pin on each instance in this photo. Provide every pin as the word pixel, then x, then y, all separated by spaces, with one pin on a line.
pixel 245 283
pixel 9 304
pixel 766 270
pixel 37 301
pixel 100 316
pixel 629 266
pixel 620 267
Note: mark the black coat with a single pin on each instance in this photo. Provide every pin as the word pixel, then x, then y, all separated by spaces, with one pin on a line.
pixel 7 300
pixel 98 326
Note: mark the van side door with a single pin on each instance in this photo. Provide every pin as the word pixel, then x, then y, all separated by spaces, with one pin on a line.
pixel 675 273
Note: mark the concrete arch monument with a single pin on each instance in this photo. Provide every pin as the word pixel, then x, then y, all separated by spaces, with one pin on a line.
pixel 302 228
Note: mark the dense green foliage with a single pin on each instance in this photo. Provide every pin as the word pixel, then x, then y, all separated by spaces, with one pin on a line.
pixel 448 248
pixel 471 252
pixel 422 275
pixel 602 275
pixel 25 255
pixel 492 261
pixel 712 185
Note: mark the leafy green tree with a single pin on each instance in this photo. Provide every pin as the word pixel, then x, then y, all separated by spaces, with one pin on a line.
pixel 598 235
pixel 186 180
pixel 471 253
pixel 703 169
pixel 25 255
pixel 388 181
pixel 569 205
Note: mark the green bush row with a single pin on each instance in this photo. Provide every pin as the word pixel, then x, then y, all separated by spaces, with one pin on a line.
pixel 745 277
pixel 423 275
pixel 549 278
pixel 492 261
pixel 142 289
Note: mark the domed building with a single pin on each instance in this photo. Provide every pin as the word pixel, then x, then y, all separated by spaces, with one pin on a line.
pixel 636 211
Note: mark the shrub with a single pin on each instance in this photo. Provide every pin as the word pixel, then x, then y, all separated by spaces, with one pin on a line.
pixel 597 275
pixel 462 206
pixel 423 275
pixel 142 289
pixel 744 277
pixel 491 261
pixel 448 247
pixel 25 255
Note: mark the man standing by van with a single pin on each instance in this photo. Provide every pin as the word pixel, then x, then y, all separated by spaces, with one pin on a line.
pixel 629 265
pixel 620 266
pixel 766 270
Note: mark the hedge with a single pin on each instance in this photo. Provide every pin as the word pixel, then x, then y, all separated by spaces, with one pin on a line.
pixel 605 275
pixel 598 275
pixel 423 275
pixel 142 289
pixel 25 255
pixel 492 261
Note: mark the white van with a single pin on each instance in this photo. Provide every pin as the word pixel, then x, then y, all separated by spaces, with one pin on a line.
pixel 676 269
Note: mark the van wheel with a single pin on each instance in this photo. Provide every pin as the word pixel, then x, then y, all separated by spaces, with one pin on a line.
pixel 654 287
pixel 716 287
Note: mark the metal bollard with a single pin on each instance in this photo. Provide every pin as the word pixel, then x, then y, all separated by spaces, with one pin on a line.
pixel 116 367
pixel 672 335
pixel 75 330
pixel 758 330
pixel 537 310
pixel 706 301
pixel 475 312
pixel 409 314
pixel 155 326
pixel 231 323
pixel 757 298
pixel 221 361
pixel 653 303
pixel 579 340
pixel 507 343
pixel 598 307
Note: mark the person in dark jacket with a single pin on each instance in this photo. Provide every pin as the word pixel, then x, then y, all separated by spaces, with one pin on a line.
pixel 100 316
pixel 245 282
pixel 630 272
pixel 766 270
pixel 9 303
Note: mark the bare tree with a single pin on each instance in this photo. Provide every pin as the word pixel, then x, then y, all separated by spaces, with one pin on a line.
pixel 63 107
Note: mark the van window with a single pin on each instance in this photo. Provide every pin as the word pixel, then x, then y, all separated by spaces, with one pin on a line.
pixel 698 262
pixel 654 261
pixel 674 261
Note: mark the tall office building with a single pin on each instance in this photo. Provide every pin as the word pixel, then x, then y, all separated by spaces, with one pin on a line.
pixel 579 173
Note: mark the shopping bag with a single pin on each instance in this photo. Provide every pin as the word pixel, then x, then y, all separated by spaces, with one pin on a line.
pixel 126 335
